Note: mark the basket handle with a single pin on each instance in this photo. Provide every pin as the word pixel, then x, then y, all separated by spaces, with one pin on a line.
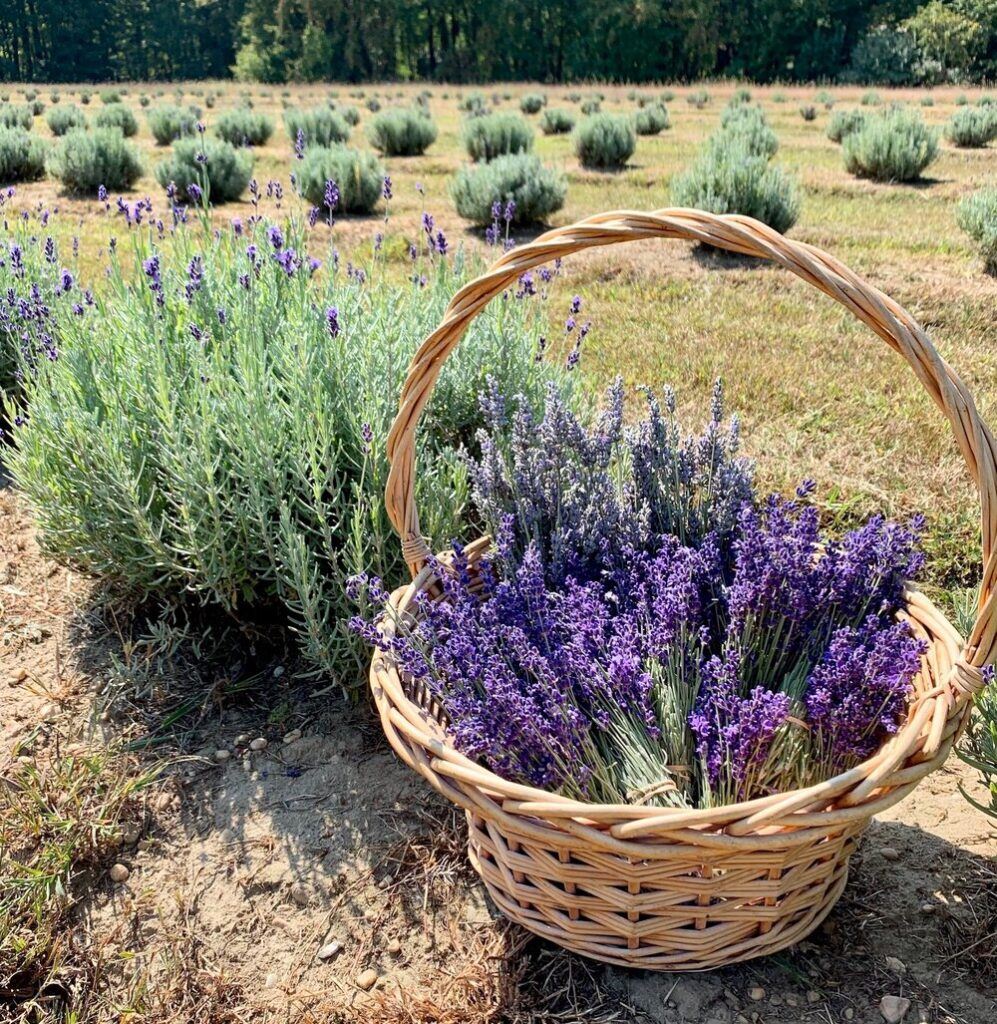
pixel 736 234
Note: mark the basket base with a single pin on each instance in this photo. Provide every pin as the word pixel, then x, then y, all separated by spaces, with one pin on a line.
pixel 690 918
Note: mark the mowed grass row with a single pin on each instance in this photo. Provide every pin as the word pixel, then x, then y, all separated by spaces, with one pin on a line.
pixel 820 394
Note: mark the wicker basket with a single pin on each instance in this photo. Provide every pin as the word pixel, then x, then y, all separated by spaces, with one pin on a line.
pixel 676 889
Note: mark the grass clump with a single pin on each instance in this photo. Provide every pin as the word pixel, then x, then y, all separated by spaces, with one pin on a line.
pixel 358 176
pixel 894 146
pixel 536 190
pixel 605 142
pixel 169 123
pixel 22 156
pixel 109 96
pixel 556 121
pixel 118 116
pixel 61 819
pixel 651 119
pixel 83 161
pixel 591 106
pixel 972 127
pixel 492 135
pixel 698 98
pixel 319 126
pixel 238 459
pixel 808 112
pixel 977 216
pixel 219 170
pixel 62 119
pixel 532 103
pixel 243 127
pixel 843 123
pixel 16 115
pixel 401 132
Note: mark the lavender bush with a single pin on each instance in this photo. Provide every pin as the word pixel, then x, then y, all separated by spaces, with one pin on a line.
pixel 210 425
pixel 85 161
pixel 651 632
pixel 243 127
pixel 205 169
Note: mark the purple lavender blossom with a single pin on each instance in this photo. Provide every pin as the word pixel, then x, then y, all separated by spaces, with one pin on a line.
pixel 859 690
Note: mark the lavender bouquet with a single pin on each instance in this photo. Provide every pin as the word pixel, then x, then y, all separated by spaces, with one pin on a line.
pixel 646 628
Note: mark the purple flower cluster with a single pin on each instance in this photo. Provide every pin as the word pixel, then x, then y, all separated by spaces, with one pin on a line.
pixel 646 629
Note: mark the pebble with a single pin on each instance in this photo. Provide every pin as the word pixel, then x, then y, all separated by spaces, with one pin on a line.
pixel 849 1013
pixel 792 999
pixel 300 895
pixel 366 979
pixel 895 965
pixel 292 736
pixel 18 676
pixel 889 853
pixel 394 947
pixel 278 672
pixel 928 908
pixel 894 1008
pixel 260 743
pixel 757 993
pixel 119 873
pixel 242 739
pixel 329 950
pixel 221 756
pixel 813 996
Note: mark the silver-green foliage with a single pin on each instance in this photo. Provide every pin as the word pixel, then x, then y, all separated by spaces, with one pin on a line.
pixel 219 170
pixel 319 126
pixel 243 127
pixel 972 127
pixel 745 124
pixel 83 161
pixel 733 174
pixel 977 216
pixel 555 121
pixel 117 115
pixel 493 135
pixel 22 156
pixel 359 177
pixel 532 103
pixel 894 146
pixel 228 442
pixel 843 123
pixel 537 190
pixel 605 141
pixel 65 118
pixel 401 132
pixel 16 115
pixel 651 119
pixel 168 123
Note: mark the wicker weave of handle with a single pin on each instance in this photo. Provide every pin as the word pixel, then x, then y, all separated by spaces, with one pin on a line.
pixel 668 888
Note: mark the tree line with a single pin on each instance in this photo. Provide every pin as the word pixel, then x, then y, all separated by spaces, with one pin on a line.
pixel 891 42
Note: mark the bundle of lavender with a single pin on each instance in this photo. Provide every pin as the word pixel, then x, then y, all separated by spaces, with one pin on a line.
pixel 649 630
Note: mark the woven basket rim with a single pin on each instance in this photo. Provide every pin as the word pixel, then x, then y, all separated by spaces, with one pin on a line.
pixel 912 740
pixel 957 667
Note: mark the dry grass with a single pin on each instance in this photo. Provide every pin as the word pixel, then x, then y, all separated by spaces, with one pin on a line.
pixel 66 808
pixel 819 395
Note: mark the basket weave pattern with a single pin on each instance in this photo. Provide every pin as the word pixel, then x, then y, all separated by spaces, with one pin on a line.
pixel 668 888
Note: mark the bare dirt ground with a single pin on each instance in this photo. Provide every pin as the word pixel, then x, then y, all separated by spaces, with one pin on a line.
pixel 264 883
